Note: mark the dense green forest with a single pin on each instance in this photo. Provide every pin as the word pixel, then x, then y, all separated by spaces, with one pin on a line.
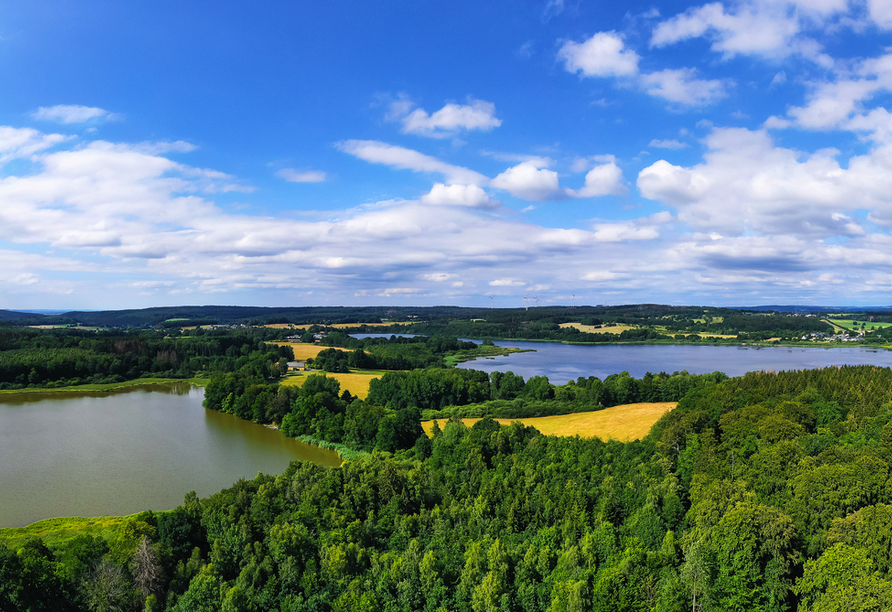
pixel 765 492
pixel 57 358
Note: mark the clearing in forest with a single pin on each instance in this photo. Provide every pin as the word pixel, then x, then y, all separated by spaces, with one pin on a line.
pixel 357 383
pixel 623 423
pixel 302 351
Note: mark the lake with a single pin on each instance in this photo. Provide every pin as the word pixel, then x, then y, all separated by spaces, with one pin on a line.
pixel 67 454
pixel 564 362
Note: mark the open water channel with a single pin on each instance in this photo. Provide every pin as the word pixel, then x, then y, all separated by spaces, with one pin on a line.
pixel 65 454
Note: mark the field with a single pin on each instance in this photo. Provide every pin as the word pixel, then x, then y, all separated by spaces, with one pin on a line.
pixel 618 329
pixel 357 383
pixel 604 329
pixel 849 325
pixel 303 352
pixel 623 423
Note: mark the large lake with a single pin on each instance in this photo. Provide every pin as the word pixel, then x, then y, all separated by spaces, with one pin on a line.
pixel 65 454
pixel 564 362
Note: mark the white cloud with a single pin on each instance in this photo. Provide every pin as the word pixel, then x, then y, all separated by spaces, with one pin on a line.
pixel 604 179
pixel 667 144
pixel 530 182
pixel 65 113
pixel 843 102
pixel 757 28
pixel 407 159
pixel 471 196
pixel 23 142
pixel 746 184
pixel 602 55
pixel 308 176
pixel 681 86
pixel 880 12
pixel 446 122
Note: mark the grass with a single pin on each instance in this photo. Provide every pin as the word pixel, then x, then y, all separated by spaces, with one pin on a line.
pixel 357 383
pixel 849 325
pixel 58 531
pixel 105 388
pixel 623 423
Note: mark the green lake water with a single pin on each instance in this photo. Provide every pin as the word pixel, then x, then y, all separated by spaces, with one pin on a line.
pixel 144 448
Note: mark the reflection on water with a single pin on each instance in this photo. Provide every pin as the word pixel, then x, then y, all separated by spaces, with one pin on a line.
pixel 68 454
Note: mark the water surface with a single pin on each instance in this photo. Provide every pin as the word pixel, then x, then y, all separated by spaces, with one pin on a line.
pixel 69 454
pixel 564 362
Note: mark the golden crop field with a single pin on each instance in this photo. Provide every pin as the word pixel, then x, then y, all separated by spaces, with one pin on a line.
pixel 618 329
pixel 306 351
pixel 604 329
pixel 623 423
pixel 357 383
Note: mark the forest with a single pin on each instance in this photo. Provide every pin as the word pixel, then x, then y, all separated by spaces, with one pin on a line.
pixel 57 358
pixel 766 492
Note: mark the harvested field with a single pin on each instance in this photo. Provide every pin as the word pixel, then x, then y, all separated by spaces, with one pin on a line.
pixel 306 351
pixel 357 383
pixel 623 423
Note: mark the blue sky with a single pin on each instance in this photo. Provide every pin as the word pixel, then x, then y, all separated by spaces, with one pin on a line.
pixel 269 153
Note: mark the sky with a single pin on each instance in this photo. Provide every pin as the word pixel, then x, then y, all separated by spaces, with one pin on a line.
pixel 494 154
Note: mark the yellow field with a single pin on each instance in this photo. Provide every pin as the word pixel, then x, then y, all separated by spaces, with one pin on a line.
pixel 604 329
pixel 623 423
pixel 618 329
pixel 306 351
pixel 357 383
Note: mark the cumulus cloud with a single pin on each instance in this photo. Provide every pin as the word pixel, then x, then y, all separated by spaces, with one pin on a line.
pixel 307 176
pixel 748 184
pixel 604 179
pixel 446 122
pixel 605 55
pixel 843 102
pixel 66 113
pixel 602 55
pixel 759 29
pixel 471 196
pixel 407 159
pixel 770 29
pixel 530 182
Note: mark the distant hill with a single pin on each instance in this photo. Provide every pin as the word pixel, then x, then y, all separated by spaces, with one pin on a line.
pixel 796 308
pixel 9 315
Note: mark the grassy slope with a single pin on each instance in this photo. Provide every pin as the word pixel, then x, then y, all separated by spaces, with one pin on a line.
pixel 624 423
pixel 57 531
